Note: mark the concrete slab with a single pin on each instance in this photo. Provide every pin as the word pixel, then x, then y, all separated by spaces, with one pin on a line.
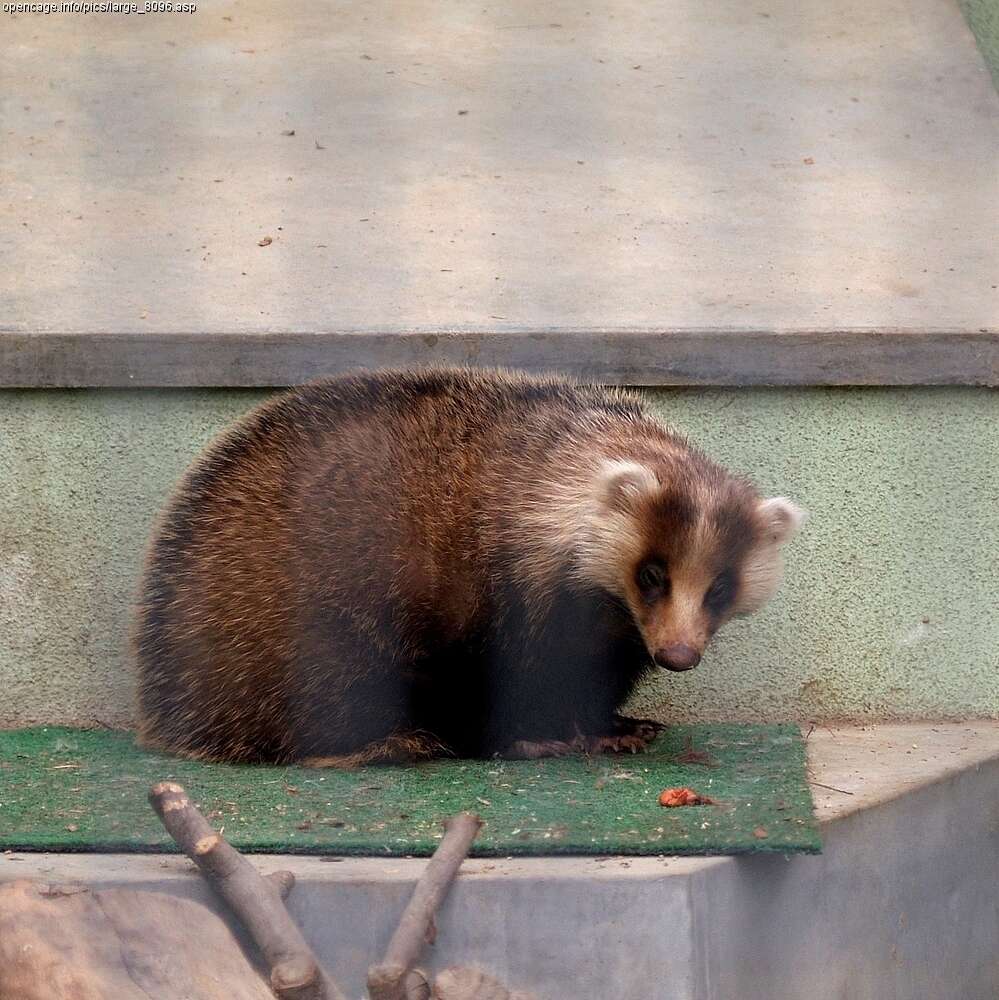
pixel 901 903
pixel 597 185
pixel 853 768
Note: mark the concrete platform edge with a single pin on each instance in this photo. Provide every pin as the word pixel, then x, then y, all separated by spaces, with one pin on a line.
pixel 611 356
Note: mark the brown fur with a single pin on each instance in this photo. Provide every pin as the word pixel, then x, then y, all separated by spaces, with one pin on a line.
pixel 409 563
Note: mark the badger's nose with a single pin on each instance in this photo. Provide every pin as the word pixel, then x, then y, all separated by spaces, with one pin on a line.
pixel 677 656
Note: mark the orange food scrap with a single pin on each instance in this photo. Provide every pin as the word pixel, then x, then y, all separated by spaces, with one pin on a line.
pixel 670 797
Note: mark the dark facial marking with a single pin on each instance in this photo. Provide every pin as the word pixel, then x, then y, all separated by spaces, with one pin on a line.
pixel 652 580
pixel 721 593
pixel 673 512
pixel 733 527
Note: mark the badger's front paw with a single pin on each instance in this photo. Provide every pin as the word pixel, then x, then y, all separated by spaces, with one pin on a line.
pixel 618 743
pixel 645 729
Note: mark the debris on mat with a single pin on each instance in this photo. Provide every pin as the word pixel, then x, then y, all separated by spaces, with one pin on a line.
pixel 670 797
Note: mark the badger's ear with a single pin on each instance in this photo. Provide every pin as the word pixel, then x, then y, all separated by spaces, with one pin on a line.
pixel 621 483
pixel 782 518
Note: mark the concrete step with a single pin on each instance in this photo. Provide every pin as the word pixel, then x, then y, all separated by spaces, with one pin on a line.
pixel 901 903
pixel 786 192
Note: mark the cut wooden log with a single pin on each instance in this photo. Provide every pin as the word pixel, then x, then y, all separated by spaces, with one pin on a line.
pixel 69 943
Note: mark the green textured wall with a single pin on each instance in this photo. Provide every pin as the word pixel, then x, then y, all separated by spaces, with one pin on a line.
pixel 889 608
pixel 983 16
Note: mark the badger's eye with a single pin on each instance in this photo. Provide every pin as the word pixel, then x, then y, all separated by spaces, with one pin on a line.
pixel 721 593
pixel 652 580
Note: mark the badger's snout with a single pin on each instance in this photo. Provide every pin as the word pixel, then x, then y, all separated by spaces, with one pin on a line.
pixel 677 656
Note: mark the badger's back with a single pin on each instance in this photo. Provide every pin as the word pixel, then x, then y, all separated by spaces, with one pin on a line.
pixel 367 502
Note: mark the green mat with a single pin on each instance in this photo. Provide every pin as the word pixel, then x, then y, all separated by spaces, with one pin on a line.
pixel 76 790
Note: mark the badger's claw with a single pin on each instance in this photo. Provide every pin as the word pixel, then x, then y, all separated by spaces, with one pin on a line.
pixel 645 729
pixel 630 736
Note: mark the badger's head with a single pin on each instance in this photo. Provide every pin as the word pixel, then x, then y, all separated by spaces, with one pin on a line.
pixel 685 546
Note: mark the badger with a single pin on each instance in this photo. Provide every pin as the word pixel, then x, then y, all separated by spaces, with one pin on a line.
pixel 389 566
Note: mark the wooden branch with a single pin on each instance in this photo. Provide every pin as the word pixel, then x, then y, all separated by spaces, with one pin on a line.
pixel 256 901
pixel 392 982
pixel 394 978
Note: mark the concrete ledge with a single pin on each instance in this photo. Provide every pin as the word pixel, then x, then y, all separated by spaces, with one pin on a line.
pixel 901 903
pixel 609 356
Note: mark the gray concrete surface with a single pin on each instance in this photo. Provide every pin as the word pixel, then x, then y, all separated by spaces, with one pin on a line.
pixel 521 167
pixel 901 903
pixel 887 609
